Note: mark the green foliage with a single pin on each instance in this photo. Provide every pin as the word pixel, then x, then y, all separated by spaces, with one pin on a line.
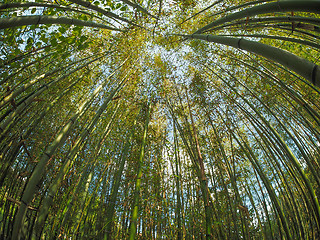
pixel 228 150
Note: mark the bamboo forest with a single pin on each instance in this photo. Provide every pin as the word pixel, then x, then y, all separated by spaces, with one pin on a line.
pixel 159 119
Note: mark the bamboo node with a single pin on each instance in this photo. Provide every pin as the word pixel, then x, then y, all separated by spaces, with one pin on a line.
pixel 239 43
pixel 39 19
pixel 313 74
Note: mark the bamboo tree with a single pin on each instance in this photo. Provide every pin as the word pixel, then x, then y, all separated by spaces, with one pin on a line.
pixel 135 203
pixel 41 19
pixel 232 148
pixel 24 87
pixel 47 202
pixel 301 66
pixel 102 11
pixel 293 160
pixel 202 178
pixel 8 160
pixel 279 6
pixel 138 7
pixel 39 170
pixel 178 182
pixel 116 184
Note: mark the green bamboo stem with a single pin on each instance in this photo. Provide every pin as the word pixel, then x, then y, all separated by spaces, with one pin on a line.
pixel 102 11
pixel 116 184
pixel 297 143
pixel 180 234
pixel 293 160
pixel 282 155
pixel 301 66
pixel 81 202
pixel 278 207
pixel 268 75
pixel 233 181
pixel 45 5
pixel 39 170
pixel 135 204
pixel 5 125
pixel 48 201
pixel 195 155
pixel 252 158
pixel 217 208
pixel 138 7
pixel 38 4
pixel 86 215
pixel 8 160
pixel 267 139
pixel 41 19
pixel 288 29
pixel 202 177
pixel 253 203
pixel 24 87
pixel 203 10
pixel 296 22
pixel 287 39
pixel 23 55
pixel 185 141
pixel 294 163
pixel 228 9
pixel 280 175
pixel 67 208
pixel 6 80
pixel 279 6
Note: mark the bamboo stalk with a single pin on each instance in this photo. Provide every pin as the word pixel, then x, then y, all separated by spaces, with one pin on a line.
pixel 138 7
pixel 135 203
pixel 102 11
pixel 278 6
pixel 68 161
pixel 39 170
pixel 301 66
pixel 41 19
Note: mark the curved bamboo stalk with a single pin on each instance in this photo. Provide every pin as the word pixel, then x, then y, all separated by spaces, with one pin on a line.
pixel 293 160
pixel 46 5
pixel 266 73
pixel 180 234
pixel 39 4
pixel 301 66
pixel 16 92
pixel 4 127
pixel 23 55
pixel 252 158
pixel 282 155
pixel 288 39
pixel 69 159
pixel 8 160
pixel 116 183
pixel 297 143
pixel 135 203
pixel 41 19
pixel 203 10
pixel 39 170
pixel 5 80
pixel 138 7
pixel 102 11
pixel 202 177
pixel 296 21
pixel 279 6
pixel 240 6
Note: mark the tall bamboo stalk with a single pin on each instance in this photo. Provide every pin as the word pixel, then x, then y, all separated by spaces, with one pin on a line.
pixel 136 197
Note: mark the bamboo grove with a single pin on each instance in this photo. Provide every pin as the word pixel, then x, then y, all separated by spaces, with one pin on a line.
pixel 123 119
